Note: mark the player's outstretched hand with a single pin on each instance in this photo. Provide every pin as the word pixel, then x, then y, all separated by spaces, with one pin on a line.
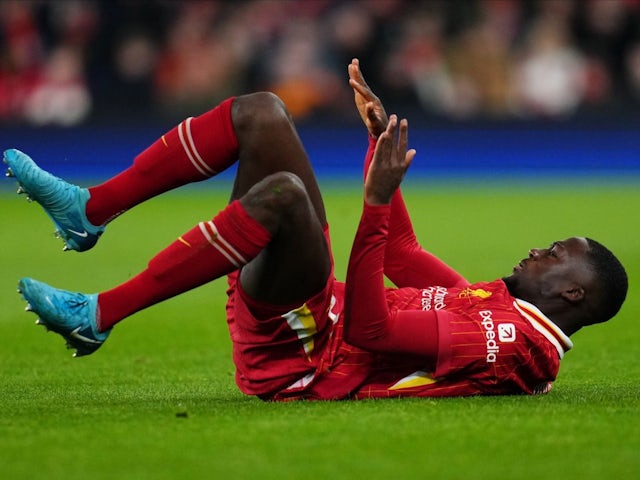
pixel 369 105
pixel 390 163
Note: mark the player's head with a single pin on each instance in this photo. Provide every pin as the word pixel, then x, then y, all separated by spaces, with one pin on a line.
pixel 612 281
pixel 577 278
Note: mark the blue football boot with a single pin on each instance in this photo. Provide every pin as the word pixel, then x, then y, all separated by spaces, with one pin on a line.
pixel 72 315
pixel 63 202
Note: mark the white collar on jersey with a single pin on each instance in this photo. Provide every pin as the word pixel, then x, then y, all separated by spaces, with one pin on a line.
pixel 544 325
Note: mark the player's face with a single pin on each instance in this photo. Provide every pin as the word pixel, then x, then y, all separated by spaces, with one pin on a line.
pixel 546 271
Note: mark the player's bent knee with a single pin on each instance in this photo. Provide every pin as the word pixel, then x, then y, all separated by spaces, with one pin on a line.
pixel 282 191
pixel 276 198
pixel 260 110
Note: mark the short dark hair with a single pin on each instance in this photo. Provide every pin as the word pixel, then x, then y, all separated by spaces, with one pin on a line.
pixel 612 280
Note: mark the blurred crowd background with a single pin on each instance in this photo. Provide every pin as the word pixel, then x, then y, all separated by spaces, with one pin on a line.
pixel 77 62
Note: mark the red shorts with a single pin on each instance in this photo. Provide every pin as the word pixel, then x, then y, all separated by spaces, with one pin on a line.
pixel 282 348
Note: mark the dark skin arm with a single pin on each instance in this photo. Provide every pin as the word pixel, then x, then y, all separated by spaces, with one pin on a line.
pixel 391 158
pixel 368 104
pixel 388 147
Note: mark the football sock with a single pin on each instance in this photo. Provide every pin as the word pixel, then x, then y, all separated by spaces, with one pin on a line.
pixel 198 148
pixel 206 252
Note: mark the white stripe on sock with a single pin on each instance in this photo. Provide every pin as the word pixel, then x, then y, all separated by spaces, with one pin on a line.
pixel 221 245
pixel 184 131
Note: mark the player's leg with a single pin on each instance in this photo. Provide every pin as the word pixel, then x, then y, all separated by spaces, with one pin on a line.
pixel 296 263
pixel 288 203
pixel 269 143
pixel 254 129
pixel 267 214
pixel 194 150
pixel 276 228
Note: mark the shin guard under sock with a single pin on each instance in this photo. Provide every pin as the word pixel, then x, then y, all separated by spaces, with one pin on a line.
pixel 195 150
pixel 206 252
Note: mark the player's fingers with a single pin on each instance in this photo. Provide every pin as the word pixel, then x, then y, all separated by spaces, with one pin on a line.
pixel 391 131
pixel 393 123
pixel 354 69
pixel 385 144
pixel 357 73
pixel 361 89
pixel 370 108
pixel 408 158
pixel 403 138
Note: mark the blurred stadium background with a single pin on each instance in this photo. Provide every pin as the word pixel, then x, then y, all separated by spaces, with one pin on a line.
pixel 512 89
pixel 489 86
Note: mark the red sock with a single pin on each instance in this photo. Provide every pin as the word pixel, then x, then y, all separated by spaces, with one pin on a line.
pixel 195 150
pixel 206 252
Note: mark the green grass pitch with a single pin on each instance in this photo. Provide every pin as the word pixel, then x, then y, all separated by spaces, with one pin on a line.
pixel 158 401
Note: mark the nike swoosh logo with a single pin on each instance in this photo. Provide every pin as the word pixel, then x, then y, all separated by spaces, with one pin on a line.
pixel 75 334
pixel 83 234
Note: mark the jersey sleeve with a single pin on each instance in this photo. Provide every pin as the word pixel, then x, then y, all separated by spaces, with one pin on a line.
pixel 406 263
pixel 368 321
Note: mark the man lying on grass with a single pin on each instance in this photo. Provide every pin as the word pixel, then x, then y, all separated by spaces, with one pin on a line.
pixel 297 332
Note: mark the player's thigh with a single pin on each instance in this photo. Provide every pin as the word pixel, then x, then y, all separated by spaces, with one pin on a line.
pixel 297 262
pixel 268 143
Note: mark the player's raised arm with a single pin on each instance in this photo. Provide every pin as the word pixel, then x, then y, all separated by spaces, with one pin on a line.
pixel 368 104
pixel 368 321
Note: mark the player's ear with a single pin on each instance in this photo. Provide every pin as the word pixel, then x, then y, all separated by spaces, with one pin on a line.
pixel 573 293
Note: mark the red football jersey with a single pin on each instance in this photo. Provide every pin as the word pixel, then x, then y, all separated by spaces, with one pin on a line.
pixel 449 338
pixel 489 343
pixel 473 339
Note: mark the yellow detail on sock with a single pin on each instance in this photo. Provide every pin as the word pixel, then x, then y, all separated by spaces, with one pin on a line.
pixel 164 141
pixel 184 241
